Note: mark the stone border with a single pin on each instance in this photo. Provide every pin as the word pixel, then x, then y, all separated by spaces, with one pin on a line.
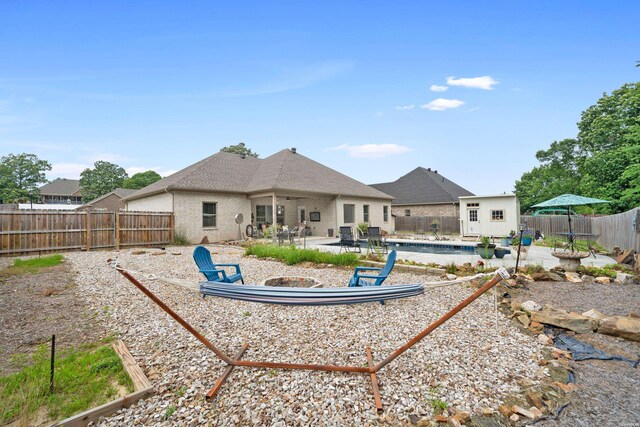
pixel 141 385
pixel 416 269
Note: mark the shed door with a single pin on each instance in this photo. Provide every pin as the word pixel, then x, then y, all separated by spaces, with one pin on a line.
pixel 473 224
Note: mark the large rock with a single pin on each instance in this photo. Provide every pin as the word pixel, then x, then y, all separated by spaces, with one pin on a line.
pixel 594 314
pixel 621 326
pixel 626 256
pixel 547 276
pixel 572 321
pixel 625 279
pixel 573 277
pixel 530 306
pixel 603 280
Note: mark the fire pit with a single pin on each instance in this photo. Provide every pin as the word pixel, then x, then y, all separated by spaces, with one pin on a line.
pixel 293 282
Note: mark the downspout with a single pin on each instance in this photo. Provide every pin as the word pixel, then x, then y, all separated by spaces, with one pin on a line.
pixel 336 217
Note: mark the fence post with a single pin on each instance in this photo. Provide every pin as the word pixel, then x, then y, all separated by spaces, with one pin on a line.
pixel 88 230
pixel 117 229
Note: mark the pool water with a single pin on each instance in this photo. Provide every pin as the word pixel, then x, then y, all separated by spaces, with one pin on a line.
pixel 429 248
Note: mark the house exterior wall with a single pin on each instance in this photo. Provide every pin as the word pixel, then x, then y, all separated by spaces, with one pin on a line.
pixel 110 203
pixel 509 204
pixel 162 202
pixel 188 214
pixel 444 209
pixel 376 218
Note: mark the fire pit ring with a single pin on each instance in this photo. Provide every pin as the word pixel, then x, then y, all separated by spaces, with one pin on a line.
pixel 293 282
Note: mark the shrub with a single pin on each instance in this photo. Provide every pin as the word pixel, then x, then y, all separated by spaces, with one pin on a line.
pixel 180 237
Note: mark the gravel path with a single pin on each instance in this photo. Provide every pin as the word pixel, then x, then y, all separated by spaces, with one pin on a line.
pixel 468 363
pixel 607 393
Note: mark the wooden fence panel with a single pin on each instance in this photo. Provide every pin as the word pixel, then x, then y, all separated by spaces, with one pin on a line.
pixel 422 224
pixel 48 231
pixel 550 224
pixel 622 230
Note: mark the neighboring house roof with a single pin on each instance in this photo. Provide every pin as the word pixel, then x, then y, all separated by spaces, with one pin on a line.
pixel 61 187
pixel 422 187
pixel 285 170
pixel 120 192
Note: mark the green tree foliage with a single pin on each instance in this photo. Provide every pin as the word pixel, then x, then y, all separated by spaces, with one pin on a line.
pixel 103 178
pixel 602 162
pixel 239 149
pixel 141 180
pixel 20 175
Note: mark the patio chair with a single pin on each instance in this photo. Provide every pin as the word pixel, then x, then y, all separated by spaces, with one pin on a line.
pixel 375 240
pixel 359 279
pixel 212 271
pixel 347 241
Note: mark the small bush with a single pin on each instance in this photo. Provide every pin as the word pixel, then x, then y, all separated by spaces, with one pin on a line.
pixel 292 255
pixel 533 268
pixel 180 237
pixel 451 268
pixel 606 271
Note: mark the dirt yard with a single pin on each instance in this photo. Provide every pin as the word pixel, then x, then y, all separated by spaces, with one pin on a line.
pixel 33 307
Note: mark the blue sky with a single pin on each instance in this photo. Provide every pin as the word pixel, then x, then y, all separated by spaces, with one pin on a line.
pixel 371 89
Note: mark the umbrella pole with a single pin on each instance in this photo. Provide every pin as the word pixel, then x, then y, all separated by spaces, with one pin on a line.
pixel 571 245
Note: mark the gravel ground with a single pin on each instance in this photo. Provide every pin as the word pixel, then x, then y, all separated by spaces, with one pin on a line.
pixel 472 362
pixel 607 393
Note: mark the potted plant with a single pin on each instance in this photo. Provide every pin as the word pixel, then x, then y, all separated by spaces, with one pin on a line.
pixel 505 241
pixel 527 238
pixel 486 249
pixel 501 252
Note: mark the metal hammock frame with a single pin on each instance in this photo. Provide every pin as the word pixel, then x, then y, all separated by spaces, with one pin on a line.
pixel 371 370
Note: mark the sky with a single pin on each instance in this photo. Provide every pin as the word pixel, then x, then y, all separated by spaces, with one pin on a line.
pixel 371 89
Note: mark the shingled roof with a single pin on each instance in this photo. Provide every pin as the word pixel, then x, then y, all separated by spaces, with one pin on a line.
pixel 422 187
pixel 285 170
pixel 61 187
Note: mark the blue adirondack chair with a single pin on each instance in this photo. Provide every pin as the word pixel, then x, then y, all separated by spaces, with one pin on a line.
pixel 365 279
pixel 212 271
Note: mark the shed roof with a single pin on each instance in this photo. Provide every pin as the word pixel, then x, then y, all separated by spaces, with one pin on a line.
pixel 285 170
pixel 422 186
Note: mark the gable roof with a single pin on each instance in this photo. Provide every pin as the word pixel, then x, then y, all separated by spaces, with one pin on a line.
pixel 285 170
pixel 120 192
pixel 422 186
pixel 61 187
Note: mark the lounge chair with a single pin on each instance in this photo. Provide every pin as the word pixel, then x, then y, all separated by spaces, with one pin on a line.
pixel 212 271
pixel 347 241
pixel 375 240
pixel 359 279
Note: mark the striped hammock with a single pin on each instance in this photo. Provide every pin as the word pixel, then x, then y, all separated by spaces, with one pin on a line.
pixel 309 296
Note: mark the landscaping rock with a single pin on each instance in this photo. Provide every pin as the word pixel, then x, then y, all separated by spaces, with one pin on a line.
pixel 530 306
pixel 451 277
pixel 626 256
pixel 594 314
pixel 603 280
pixel 536 327
pixel 572 321
pixel 547 276
pixel 587 279
pixel 573 277
pixel 625 278
pixel 544 340
pixel 627 327
pixel 524 319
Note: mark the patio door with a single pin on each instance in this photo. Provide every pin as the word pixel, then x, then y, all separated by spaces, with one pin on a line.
pixel 473 224
pixel 302 214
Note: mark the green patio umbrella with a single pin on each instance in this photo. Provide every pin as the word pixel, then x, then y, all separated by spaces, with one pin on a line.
pixel 569 200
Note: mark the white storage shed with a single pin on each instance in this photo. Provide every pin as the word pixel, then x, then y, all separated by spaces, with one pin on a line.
pixel 489 215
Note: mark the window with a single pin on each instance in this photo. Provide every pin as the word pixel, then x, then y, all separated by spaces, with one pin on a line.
pixel 497 215
pixel 264 214
pixel 385 213
pixel 365 213
pixel 209 214
pixel 473 205
pixel 473 215
pixel 407 212
pixel 349 212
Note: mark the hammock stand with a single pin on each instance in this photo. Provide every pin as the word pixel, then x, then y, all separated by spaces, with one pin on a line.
pixel 371 370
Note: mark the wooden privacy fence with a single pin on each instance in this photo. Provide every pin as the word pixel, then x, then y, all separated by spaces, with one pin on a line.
pixel 550 224
pixel 422 224
pixel 622 230
pixel 45 231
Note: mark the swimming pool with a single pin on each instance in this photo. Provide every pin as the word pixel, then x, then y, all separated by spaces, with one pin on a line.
pixel 425 247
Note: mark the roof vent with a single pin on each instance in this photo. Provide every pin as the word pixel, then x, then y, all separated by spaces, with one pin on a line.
pixel 243 156
pixel 293 150
pixel 436 172
pixel 429 169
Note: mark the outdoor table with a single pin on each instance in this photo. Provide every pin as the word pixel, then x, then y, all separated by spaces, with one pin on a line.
pixel 589 237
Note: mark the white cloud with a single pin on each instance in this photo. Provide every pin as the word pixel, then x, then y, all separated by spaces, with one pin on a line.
pixel 372 151
pixel 405 107
pixel 438 88
pixel 484 82
pixel 441 104
pixel 66 170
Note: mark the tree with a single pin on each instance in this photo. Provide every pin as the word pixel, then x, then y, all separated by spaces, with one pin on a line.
pixel 19 177
pixel 100 180
pixel 602 162
pixel 141 180
pixel 239 149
